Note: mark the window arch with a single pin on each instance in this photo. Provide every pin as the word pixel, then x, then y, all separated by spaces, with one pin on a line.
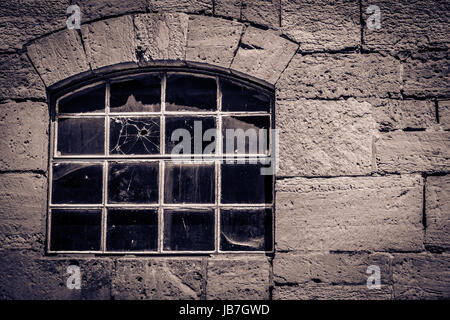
pixel 161 162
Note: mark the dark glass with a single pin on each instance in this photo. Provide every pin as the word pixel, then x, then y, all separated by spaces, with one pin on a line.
pixel 246 230
pixel 189 230
pixel 77 183
pixel 189 183
pixel 75 230
pixel 241 98
pixel 244 183
pixel 134 135
pixel 87 100
pixel 133 182
pixel 79 136
pixel 249 139
pixel 190 93
pixel 196 126
pixel 141 94
pixel 132 230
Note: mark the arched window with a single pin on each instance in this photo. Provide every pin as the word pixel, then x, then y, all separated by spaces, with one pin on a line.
pixel 161 162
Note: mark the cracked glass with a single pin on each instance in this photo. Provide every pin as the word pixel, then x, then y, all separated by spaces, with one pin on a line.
pixel 134 135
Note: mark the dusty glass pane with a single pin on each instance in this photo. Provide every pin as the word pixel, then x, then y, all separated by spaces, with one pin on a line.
pixel 134 135
pixel 189 183
pixel 190 93
pixel 132 230
pixel 253 138
pixel 79 183
pixel 243 183
pixel 189 230
pixel 188 135
pixel 87 100
pixel 133 182
pixel 75 230
pixel 79 136
pixel 246 230
pixel 240 98
pixel 141 94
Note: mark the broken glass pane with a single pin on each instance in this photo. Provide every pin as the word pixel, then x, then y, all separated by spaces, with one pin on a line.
pixel 246 230
pixel 190 135
pixel 189 183
pixel 79 183
pixel 240 98
pixel 75 230
pixel 252 139
pixel 132 230
pixel 243 183
pixel 189 230
pixel 141 94
pixel 87 100
pixel 133 182
pixel 79 136
pixel 134 135
pixel 190 93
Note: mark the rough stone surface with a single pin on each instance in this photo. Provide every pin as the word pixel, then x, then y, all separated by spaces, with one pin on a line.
pixel 159 279
pixel 349 214
pixel 23 135
pixel 263 54
pixel 425 276
pixel 110 42
pixel 18 79
pixel 332 76
pixel 444 114
pixel 191 6
pixel 325 138
pixel 161 36
pixel 96 9
pixel 22 210
pixel 408 25
pixel 321 25
pixel 228 8
pixel 239 278
pixel 437 211
pixel 421 151
pixel 263 12
pixel 58 56
pixel 212 40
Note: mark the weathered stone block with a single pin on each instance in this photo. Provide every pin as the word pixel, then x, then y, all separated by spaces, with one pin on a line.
pixel 333 76
pixel 23 135
pixel 420 151
pixel 349 214
pixel 263 54
pixel 321 25
pixel 325 138
pixel 96 9
pixel 212 40
pixel 191 6
pixel 228 8
pixel 421 276
pixel 239 278
pixel 58 56
pixel 161 36
pixel 444 114
pixel 263 12
pixel 110 42
pixel 437 212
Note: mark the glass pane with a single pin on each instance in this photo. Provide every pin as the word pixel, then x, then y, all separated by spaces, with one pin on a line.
pixel 133 182
pixel 79 136
pixel 253 138
pixel 141 94
pixel 186 135
pixel 190 93
pixel 134 135
pixel 246 230
pixel 75 230
pixel 132 230
pixel 189 183
pixel 189 230
pixel 87 100
pixel 244 183
pixel 79 183
pixel 239 98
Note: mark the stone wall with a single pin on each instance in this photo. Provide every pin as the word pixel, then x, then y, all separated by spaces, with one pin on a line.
pixel 364 122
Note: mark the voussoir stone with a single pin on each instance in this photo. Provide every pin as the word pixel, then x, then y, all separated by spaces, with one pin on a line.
pixel 349 214
pixel 263 12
